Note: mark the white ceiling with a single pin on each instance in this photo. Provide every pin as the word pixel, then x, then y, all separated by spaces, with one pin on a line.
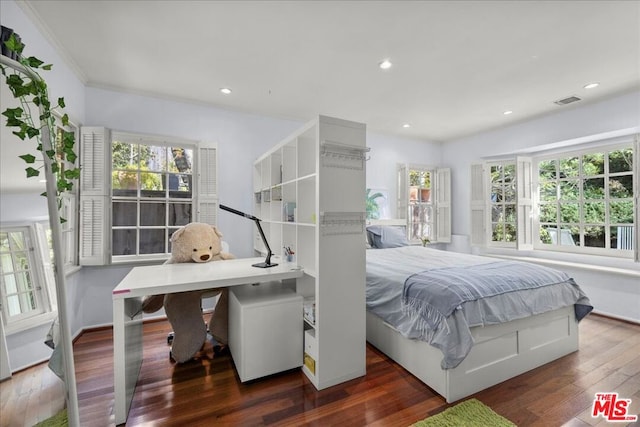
pixel 458 65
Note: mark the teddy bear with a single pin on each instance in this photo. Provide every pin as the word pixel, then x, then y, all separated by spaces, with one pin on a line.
pixel 194 242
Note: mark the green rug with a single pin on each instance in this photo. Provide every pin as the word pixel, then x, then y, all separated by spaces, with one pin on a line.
pixel 58 420
pixel 470 413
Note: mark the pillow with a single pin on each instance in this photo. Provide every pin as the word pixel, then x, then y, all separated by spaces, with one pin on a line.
pixel 382 237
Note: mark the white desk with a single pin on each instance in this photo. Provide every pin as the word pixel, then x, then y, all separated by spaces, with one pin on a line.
pixel 164 279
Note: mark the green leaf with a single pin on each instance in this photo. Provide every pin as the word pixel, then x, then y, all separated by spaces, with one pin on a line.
pixel 31 132
pixel 28 158
pixel 22 134
pixel 47 67
pixel 62 220
pixel 61 104
pixel 72 173
pixel 34 62
pixel 13 44
pixel 72 157
pixel 13 112
pixel 32 172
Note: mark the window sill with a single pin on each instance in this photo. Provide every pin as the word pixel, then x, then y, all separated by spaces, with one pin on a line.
pixel 619 266
pixel 34 322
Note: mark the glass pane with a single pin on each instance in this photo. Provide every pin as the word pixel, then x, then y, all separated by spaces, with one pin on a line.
pixel 621 160
pixel 548 213
pixel 124 242
pixel 153 214
pixel 498 232
pixel 497 193
pixel 569 212
pixel 594 236
pixel 4 241
pixel 157 159
pixel 180 160
pixel 124 182
pixel 593 188
pixel 21 260
pixel 593 164
pixel 548 234
pixel 510 173
pixel 10 285
pixel 497 213
pixel 547 170
pixel 152 241
pixel 13 301
pixel 510 213
pixel 125 214
pixel 6 263
pixel 622 237
pixel 570 235
pixel 152 184
pixel 124 155
pixel 569 190
pixel 16 241
pixel 180 186
pixel 179 213
pixel 24 281
pixel 621 212
pixel 594 212
pixel 621 186
pixel 548 192
pixel 569 167
pixel 510 232
pixel 510 192
pixel 425 195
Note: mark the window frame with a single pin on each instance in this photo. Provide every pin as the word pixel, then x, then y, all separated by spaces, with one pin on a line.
pixel 139 199
pixel 503 203
pixel 439 201
pixel 581 224
pixel 528 197
pixel 43 283
pixel 95 247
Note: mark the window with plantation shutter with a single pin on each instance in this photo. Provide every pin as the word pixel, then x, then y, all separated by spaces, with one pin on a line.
pixel 136 190
pixel 424 199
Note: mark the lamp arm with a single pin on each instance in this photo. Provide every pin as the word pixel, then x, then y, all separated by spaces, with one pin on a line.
pixel 267 260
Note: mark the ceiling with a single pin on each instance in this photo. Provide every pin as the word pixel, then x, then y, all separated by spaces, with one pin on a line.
pixel 457 65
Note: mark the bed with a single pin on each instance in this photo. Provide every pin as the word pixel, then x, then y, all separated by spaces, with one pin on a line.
pixel 477 337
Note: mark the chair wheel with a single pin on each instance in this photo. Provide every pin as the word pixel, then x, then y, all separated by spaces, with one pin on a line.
pixel 170 338
pixel 171 359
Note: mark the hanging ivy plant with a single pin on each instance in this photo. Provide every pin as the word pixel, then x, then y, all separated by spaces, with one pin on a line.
pixel 36 113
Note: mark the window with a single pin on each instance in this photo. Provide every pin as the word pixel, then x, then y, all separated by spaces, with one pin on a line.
pixel 585 201
pixel 424 200
pixel 136 190
pixel 152 195
pixel 24 289
pixel 503 205
pixel 581 201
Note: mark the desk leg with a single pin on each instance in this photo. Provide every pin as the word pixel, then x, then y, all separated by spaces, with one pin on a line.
pixel 127 354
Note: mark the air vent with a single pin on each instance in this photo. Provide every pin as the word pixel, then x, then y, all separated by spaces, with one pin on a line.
pixel 567 100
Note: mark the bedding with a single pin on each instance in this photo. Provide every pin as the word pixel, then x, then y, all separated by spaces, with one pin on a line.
pixel 396 277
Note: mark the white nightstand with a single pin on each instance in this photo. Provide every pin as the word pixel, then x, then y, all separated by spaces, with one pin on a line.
pixel 265 329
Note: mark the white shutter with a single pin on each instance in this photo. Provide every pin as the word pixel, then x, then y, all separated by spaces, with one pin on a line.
pixel 403 188
pixel 443 205
pixel 207 211
pixel 478 205
pixel 636 197
pixel 49 287
pixel 95 183
pixel 524 196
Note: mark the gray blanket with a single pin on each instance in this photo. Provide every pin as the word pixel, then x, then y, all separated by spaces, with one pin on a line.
pixel 433 295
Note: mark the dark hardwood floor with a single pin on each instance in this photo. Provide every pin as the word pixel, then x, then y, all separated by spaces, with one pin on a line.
pixel 207 391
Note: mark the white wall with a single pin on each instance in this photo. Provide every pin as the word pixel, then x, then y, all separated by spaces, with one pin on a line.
pixel 612 293
pixel 386 152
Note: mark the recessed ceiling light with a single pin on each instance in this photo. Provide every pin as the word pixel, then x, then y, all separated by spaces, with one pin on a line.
pixel 591 85
pixel 406 125
pixel 385 65
pixel 225 90
pixel 506 113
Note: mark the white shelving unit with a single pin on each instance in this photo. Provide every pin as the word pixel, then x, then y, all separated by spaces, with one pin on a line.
pixel 309 192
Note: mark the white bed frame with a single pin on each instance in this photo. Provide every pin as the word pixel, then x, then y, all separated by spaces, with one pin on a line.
pixel 500 352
